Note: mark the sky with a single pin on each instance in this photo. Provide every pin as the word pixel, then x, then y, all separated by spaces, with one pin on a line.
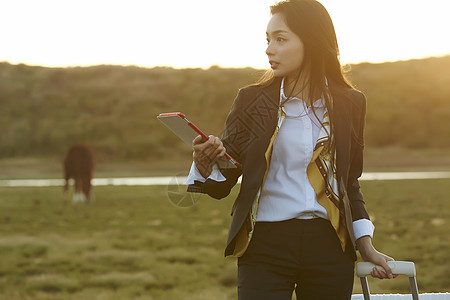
pixel 201 33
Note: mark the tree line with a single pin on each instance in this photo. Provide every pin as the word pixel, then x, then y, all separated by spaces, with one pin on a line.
pixel 113 108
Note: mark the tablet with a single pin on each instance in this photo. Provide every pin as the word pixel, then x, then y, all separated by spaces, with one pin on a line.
pixel 187 131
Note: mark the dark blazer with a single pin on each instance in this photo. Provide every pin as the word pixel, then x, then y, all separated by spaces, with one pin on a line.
pixel 249 127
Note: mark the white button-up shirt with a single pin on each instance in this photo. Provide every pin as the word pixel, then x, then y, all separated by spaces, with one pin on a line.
pixel 287 193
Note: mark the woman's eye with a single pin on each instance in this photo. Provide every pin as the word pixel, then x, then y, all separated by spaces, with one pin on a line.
pixel 278 39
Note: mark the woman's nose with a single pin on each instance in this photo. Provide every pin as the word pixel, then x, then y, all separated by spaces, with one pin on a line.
pixel 269 50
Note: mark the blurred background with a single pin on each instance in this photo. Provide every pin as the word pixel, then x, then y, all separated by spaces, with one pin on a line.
pixel 99 72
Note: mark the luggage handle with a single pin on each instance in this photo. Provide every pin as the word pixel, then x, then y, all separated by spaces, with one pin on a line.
pixel 398 267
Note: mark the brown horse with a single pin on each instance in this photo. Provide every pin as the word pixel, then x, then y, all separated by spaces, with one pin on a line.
pixel 79 166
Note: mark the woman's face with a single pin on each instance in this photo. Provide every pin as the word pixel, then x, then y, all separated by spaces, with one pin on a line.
pixel 285 50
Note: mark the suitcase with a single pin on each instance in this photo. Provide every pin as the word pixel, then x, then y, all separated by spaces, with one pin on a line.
pixel 407 268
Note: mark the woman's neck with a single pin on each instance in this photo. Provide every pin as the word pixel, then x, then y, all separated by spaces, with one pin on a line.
pixel 297 87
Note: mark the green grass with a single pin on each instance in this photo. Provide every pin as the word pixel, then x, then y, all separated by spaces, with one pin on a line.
pixel 133 243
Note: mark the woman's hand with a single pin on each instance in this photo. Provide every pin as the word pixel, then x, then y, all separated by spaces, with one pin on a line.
pixel 206 153
pixel 370 254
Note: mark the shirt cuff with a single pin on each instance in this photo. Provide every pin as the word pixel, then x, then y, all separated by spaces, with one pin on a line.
pixel 363 227
pixel 194 175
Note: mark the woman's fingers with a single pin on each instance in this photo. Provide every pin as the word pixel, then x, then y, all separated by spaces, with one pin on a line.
pixel 198 140
pixel 378 274
pixel 207 152
pixel 212 148
pixel 387 272
pixel 219 149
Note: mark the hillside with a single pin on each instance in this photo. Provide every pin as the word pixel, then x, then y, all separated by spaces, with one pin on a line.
pixel 114 108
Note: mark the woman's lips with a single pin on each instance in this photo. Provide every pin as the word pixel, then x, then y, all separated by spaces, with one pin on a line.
pixel 274 64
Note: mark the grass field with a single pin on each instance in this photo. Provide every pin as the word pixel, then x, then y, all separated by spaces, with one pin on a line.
pixel 133 243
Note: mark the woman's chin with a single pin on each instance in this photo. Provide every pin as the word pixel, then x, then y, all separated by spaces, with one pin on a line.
pixel 277 73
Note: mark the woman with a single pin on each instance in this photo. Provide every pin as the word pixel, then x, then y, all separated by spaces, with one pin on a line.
pixel 298 135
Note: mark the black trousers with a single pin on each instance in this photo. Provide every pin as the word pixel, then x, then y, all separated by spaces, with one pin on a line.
pixel 300 255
